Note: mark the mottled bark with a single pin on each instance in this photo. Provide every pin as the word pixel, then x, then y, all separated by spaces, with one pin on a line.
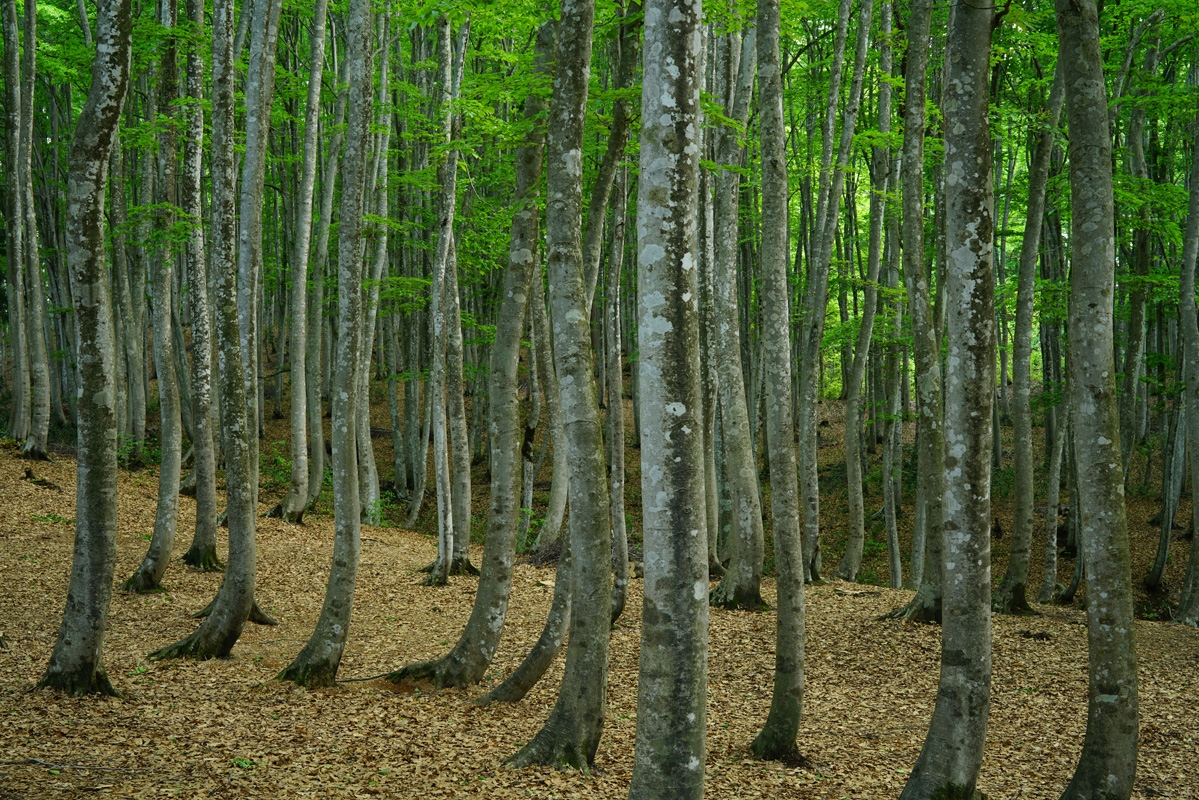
pixel 1188 605
pixel 18 425
pixel 1011 596
pixel 571 735
pixel 614 421
pixel 227 615
pixel 149 573
pixel 1107 766
pixel 777 738
pixel 317 663
pixel 76 665
pixel 949 762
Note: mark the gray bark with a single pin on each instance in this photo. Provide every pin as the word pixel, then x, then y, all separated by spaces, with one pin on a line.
pixel 673 668
pixel 741 585
pixel 76 665
pixel 18 426
pixel 571 735
pixel 615 418
pixel 1107 766
pixel 949 762
pixel 1188 605
pixel 149 573
pixel 816 299
pixel 777 738
pixel 1011 596
pixel 297 498
pixel 317 663
pixel 202 553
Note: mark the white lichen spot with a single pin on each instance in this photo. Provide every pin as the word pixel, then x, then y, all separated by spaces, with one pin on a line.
pixel 693 764
pixel 678 409
pixel 700 590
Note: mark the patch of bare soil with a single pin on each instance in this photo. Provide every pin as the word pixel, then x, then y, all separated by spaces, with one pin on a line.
pixel 227 729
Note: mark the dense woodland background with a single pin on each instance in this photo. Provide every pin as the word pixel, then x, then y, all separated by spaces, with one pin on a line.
pixel 757 297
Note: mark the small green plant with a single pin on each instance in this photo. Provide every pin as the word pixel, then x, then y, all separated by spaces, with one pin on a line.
pixel 244 763
pixel 54 518
pixel 274 467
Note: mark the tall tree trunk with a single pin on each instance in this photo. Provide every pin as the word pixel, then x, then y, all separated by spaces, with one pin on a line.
pixel 18 426
pixel 227 615
pixel 1109 754
pixel 615 418
pixel 470 657
pixel 927 562
pixel 1188 605
pixel 952 754
pixel 1011 596
pixel 75 663
pixel 672 685
pixel 292 509
pixel 851 560
pixel 571 735
pixel 811 364
pixel 777 738
pixel 202 553
pixel 741 585
pixel 317 663
pixel 149 573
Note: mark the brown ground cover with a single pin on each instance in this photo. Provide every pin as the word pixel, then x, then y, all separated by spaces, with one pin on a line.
pixel 226 729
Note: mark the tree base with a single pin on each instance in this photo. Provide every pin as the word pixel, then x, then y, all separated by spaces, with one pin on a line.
pixel 1011 599
pixel 32 451
pixel 924 607
pixel 79 683
pixel 203 559
pixel 737 598
pixel 768 747
pixel 461 566
pixel 193 647
pixel 187 487
pixel 257 615
pixel 550 748
pixel 442 673
pixel 140 582
pixel 715 570
pixel 310 674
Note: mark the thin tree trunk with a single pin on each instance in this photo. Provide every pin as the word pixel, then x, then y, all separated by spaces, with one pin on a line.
pixel 75 663
pixel 19 421
pixel 949 762
pixel 317 663
pixel 615 417
pixel 1010 597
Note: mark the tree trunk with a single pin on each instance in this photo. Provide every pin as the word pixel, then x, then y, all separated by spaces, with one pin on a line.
pixel 777 738
pixel 227 615
pixel 926 605
pixel 317 663
pixel 297 498
pixel 615 417
pixel 149 573
pixel 952 754
pixel 75 663
pixel 470 657
pixel 18 426
pixel 1011 596
pixel 741 585
pixel 811 365
pixel 572 733
pixel 1108 763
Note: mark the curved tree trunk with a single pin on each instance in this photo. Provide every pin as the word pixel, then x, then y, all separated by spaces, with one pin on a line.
pixel 76 665
pixel 227 615
pixel 470 657
pixel 1011 596
pixel 571 735
pixel 317 663
pixel 555 511
pixel 949 762
pixel 851 560
pixel 1107 766
pixel 615 418
pixel 812 330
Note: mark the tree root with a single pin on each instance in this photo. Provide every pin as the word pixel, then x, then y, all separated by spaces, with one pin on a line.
pixel 461 565
pixel 85 681
pixel 203 559
pixel 441 673
pixel 736 598
pixel 32 452
pixel 550 748
pixel 1011 599
pixel 309 673
pixel 140 582
pixel 923 607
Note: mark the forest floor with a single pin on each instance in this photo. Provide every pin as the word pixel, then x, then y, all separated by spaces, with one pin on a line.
pixel 226 729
